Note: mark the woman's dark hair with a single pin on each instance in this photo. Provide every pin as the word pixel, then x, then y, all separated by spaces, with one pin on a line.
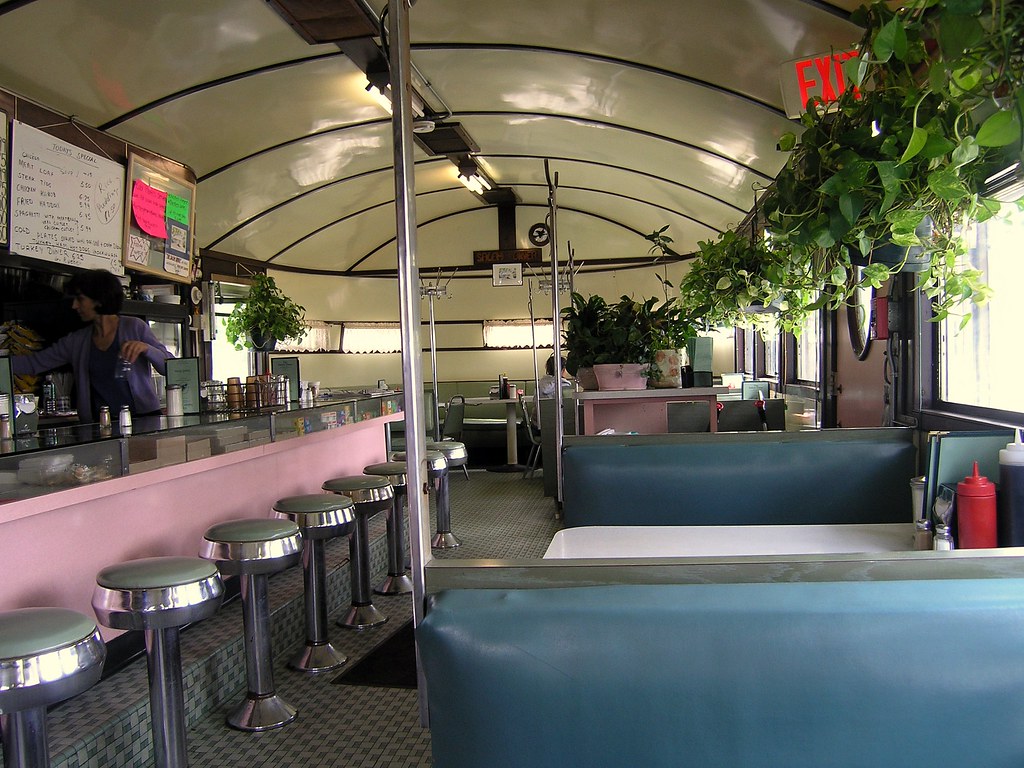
pixel 550 365
pixel 102 287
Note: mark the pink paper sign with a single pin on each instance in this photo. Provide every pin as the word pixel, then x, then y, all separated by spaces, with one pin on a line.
pixel 148 206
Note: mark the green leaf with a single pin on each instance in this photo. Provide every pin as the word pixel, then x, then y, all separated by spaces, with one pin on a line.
pixel 890 41
pixel 966 152
pixel 945 184
pixel 937 146
pixel 964 7
pixel 855 69
pixel 917 141
pixel 787 142
pixel 999 129
pixel 957 33
pixel 850 205
pixel 723 284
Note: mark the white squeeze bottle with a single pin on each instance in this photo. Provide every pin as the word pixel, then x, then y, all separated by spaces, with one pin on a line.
pixel 1010 499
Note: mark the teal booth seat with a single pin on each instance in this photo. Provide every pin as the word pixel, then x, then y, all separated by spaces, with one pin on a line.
pixel 755 478
pixel 768 675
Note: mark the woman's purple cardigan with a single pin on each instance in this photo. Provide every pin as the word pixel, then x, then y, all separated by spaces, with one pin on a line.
pixel 75 348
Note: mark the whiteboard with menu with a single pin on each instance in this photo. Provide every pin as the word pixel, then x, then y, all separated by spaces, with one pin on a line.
pixel 67 204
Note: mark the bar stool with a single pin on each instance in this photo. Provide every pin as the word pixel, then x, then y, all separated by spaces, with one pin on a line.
pixel 454 451
pixel 252 548
pixel 397 582
pixel 437 471
pixel 371 495
pixel 159 595
pixel 47 655
pixel 320 516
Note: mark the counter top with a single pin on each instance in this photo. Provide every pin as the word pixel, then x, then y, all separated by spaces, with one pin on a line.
pixel 633 394
pixel 78 434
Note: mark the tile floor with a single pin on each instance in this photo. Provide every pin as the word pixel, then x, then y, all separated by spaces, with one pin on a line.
pixel 495 514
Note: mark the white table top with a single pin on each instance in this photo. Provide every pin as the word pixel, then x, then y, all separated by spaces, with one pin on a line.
pixel 631 541
pixel 646 394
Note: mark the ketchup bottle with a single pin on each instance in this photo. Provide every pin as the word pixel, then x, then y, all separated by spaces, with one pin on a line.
pixel 976 512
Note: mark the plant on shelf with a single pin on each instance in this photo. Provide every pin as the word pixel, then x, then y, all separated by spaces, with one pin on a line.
pixel 937 107
pixel 264 318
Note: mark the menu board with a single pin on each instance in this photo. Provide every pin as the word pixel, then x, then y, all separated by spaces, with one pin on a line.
pixel 4 155
pixel 184 372
pixel 158 229
pixel 66 202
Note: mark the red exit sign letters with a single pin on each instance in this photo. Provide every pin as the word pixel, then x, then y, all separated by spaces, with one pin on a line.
pixel 817 78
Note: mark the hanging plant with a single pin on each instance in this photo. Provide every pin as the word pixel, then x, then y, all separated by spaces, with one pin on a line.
pixel 266 314
pixel 937 107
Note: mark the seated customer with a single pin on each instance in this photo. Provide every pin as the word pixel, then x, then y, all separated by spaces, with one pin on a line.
pixel 548 382
pixel 112 357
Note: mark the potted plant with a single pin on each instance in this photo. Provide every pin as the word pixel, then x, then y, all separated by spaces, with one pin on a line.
pixel 584 330
pixel 671 325
pixel 936 104
pixel 264 318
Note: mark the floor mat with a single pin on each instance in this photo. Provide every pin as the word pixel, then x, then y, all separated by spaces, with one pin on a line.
pixel 392 664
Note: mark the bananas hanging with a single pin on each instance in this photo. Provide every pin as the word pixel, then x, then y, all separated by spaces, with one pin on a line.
pixel 20 340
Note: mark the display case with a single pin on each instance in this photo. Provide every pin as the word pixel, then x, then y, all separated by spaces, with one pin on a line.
pixel 65 457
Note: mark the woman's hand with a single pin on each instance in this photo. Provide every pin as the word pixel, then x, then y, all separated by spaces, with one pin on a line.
pixel 131 350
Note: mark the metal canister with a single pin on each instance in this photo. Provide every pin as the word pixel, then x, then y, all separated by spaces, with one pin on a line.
pixel 175 406
pixel 124 421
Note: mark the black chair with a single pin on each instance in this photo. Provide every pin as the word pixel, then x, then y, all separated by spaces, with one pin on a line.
pixel 688 416
pixel 739 416
pixel 454 417
pixel 534 434
pixel 775 413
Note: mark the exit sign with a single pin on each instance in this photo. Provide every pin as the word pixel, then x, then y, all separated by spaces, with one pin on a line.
pixel 814 78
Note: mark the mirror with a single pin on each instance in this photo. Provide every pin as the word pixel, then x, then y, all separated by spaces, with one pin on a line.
pixel 859 316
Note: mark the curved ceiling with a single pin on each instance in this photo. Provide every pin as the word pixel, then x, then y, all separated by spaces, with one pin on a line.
pixel 651 112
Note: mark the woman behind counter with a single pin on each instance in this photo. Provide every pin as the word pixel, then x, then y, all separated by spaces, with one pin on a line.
pixel 97 353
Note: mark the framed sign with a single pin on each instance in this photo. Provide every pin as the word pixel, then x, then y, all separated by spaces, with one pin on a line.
pixel 287 366
pixel 159 227
pixel 184 372
pixel 507 274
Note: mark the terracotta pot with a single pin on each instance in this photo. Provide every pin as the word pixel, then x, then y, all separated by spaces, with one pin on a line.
pixel 614 376
pixel 586 379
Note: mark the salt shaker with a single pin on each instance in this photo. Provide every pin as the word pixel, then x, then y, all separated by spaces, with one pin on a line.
pixel 5 426
pixel 124 421
pixel 104 417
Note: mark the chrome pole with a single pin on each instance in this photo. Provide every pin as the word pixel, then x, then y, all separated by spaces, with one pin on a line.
pixel 431 292
pixel 409 312
pixel 556 315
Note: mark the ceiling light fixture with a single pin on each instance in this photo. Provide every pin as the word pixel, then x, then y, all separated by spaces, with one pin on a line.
pixel 472 177
pixel 378 85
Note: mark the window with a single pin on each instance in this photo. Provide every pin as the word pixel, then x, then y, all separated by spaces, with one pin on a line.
pixel 808 346
pixel 980 365
pixel 371 337
pixel 518 333
pixel 772 339
pixel 316 339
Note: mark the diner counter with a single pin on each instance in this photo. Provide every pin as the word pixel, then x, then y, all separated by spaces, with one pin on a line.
pixel 53 543
pixel 638 541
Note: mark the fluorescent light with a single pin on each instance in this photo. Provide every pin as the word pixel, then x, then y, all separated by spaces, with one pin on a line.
pixel 383 99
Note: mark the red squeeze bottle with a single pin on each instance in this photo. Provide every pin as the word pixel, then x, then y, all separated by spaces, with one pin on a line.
pixel 976 512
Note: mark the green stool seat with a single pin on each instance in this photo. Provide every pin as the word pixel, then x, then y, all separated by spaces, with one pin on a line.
pixel 320 516
pixel 47 655
pixel 252 548
pixel 159 595
pixel 252 545
pixel 370 494
pixel 157 592
pixel 397 581
pixel 437 470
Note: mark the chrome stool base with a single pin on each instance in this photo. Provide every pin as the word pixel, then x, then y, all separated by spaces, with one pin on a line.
pixel 395 585
pixel 318 657
pixel 362 617
pixel 445 540
pixel 261 713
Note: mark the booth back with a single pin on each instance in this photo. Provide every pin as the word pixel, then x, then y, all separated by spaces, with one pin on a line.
pixel 758 478
pixel 801 675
